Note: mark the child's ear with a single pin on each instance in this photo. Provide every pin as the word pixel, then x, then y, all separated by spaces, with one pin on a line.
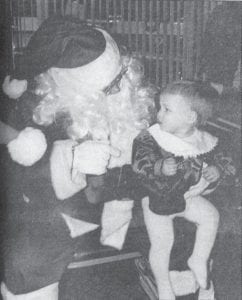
pixel 192 117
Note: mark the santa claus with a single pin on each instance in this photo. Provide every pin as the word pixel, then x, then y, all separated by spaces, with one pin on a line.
pixel 76 98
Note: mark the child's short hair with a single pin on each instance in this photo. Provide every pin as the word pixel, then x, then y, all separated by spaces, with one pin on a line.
pixel 201 96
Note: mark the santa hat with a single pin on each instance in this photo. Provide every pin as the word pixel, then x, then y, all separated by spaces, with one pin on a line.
pixel 73 53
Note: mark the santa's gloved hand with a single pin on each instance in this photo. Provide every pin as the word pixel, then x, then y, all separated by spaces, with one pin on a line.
pixel 91 157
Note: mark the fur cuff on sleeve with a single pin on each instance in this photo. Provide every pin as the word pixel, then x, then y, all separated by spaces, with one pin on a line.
pixel 64 184
pixel 28 147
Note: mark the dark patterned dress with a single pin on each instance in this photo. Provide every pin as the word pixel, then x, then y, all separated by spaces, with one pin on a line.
pixel 166 193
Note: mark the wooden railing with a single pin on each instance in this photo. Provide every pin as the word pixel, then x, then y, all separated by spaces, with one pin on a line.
pixel 165 34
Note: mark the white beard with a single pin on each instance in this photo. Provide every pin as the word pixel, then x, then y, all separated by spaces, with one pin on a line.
pixel 122 125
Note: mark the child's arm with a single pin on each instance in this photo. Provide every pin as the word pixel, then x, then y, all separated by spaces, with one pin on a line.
pixel 220 169
pixel 146 157
pixel 148 163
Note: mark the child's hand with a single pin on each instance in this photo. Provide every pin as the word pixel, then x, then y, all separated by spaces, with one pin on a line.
pixel 211 173
pixel 169 167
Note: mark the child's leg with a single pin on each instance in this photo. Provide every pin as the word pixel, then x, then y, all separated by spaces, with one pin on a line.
pixel 206 216
pixel 161 235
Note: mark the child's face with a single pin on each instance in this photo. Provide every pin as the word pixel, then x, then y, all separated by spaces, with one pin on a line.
pixel 175 114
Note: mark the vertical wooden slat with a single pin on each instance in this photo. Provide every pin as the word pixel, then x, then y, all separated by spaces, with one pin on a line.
pixel 122 16
pixel 16 23
pixel 136 26
pixel 32 15
pixel 205 12
pixel 62 7
pixel 24 23
pixel 115 9
pixel 198 35
pixel 164 44
pixel 157 42
pixel 93 11
pixel 58 6
pixel 129 23
pixel 143 51
pixel 8 20
pixel 73 6
pixel 54 6
pixel 42 9
pixel 99 11
pixel 151 23
pixel 20 25
pixel 85 9
pixel 79 8
pixel 188 40
pixel 178 40
pixel 213 5
pixel 171 42
pixel 107 13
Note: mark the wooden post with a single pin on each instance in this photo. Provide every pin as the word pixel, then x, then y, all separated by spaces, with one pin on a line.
pixel 178 41
pixel 7 57
pixel 151 22
pixel 143 29
pixel 171 58
pixel 42 10
pixel 164 44
pixel 188 40
pixel 158 42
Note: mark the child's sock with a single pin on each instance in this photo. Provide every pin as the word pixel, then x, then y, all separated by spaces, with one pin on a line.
pixel 199 268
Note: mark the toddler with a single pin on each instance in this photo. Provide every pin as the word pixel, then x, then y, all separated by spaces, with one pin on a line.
pixel 176 163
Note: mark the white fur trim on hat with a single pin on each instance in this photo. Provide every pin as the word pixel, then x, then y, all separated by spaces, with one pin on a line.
pixel 93 76
pixel 28 147
pixel 14 88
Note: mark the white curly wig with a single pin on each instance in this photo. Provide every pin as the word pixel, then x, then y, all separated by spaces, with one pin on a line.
pixel 93 114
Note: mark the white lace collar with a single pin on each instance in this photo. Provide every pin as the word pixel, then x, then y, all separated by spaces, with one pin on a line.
pixel 198 143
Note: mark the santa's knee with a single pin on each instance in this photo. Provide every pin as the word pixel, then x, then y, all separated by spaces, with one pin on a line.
pixel 29 269
pixel 49 292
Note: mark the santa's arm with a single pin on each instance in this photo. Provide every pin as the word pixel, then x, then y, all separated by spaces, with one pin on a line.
pixel 130 181
pixel 7 133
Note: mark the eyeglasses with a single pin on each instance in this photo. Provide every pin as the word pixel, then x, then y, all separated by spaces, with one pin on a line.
pixel 116 82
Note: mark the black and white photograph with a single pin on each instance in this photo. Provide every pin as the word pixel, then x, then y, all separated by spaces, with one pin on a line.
pixel 120 150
